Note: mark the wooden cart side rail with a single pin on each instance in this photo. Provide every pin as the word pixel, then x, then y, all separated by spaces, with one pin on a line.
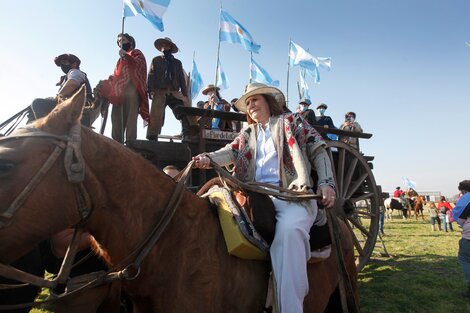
pixel 242 117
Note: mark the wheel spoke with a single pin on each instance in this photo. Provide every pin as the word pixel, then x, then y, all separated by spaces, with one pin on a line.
pixel 359 226
pixel 357 244
pixel 349 175
pixel 330 155
pixel 358 212
pixel 358 183
pixel 364 196
pixel 340 173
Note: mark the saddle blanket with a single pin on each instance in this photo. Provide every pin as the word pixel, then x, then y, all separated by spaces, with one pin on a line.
pixel 244 241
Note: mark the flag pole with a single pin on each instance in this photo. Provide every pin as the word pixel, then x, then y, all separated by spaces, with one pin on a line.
pixel 288 67
pixel 251 63
pixel 218 51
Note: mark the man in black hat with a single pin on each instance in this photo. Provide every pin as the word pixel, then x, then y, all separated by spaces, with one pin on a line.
pixel 166 82
pixel 69 83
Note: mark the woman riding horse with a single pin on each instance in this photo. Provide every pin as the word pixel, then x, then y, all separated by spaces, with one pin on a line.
pixel 281 149
pixel 162 241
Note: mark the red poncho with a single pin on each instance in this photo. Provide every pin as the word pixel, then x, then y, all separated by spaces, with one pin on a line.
pixel 132 67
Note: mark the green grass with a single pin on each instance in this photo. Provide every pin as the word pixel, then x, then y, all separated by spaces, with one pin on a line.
pixel 421 274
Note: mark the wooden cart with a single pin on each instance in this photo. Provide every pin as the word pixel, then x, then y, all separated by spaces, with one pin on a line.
pixel 359 198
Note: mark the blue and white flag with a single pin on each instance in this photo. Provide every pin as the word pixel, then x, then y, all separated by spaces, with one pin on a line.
pixel 196 81
pixel 303 87
pixel 259 74
pixel 232 31
pixel 299 57
pixel 409 183
pixel 152 10
pixel 222 80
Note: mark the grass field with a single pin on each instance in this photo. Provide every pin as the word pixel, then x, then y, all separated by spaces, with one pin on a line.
pixel 420 275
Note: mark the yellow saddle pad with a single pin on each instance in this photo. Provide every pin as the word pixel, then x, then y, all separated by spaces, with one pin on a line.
pixel 241 238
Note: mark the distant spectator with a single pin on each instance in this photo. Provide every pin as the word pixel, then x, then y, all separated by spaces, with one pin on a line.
pixel 443 207
pixel 171 170
pixel 398 193
pixel 434 216
pixel 381 219
pixel 307 113
pixel 350 124
pixel 324 120
pixel 200 104
pixel 461 213
pixel 215 102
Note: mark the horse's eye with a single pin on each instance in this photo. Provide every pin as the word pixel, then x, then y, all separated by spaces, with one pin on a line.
pixel 6 167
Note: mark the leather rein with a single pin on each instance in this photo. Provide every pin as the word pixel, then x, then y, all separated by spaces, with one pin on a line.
pixel 75 168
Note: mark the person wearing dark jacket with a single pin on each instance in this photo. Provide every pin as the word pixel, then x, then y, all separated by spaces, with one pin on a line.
pixel 461 213
pixel 166 79
pixel 306 112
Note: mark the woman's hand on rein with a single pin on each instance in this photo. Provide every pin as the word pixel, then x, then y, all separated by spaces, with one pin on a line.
pixel 328 196
pixel 201 161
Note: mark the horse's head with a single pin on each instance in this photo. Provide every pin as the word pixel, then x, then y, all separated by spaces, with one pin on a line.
pixel 34 194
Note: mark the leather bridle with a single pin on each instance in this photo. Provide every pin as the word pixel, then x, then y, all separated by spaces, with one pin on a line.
pixel 75 168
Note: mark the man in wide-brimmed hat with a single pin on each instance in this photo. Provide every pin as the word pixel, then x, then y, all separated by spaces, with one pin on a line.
pixel 281 149
pixel 69 83
pixel 166 79
pixel 126 89
pixel 217 103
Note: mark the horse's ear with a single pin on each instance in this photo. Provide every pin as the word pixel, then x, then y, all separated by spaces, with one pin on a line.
pixel 74 105
pixel 66 114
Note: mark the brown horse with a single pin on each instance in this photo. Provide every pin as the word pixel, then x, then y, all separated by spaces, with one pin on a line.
pixel 187 270
pixel 419 207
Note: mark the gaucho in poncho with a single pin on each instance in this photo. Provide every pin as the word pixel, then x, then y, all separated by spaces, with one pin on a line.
pixel 126 89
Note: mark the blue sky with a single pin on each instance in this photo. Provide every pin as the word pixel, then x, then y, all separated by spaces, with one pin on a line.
pixel 402 65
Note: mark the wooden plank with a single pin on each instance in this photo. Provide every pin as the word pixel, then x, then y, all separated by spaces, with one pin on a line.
pixel 327 130
pixel 211 113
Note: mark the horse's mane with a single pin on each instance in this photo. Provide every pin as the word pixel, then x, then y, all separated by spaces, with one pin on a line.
pixel 100 251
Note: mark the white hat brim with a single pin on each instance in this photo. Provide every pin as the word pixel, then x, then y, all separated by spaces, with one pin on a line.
pixel 265 90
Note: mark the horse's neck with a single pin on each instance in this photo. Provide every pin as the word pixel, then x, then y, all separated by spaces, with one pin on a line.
pixel 134 195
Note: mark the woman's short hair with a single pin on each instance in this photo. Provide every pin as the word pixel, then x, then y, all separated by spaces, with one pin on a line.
pixel 274 108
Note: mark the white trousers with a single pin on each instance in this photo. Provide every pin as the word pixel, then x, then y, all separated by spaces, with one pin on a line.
pixel 290 252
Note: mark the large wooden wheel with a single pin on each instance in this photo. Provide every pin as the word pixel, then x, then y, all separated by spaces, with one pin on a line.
pixel 357 198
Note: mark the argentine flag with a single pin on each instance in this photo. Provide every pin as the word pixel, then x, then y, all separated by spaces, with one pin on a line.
pixel 152 10
pixel 303 87
pixel 259 74
pixel 234 32
pixel 299 57
pixel 196 81
pixel 222 80
pixel 409 183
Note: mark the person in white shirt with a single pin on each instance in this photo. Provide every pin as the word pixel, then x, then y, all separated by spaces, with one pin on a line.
pixel 281 149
